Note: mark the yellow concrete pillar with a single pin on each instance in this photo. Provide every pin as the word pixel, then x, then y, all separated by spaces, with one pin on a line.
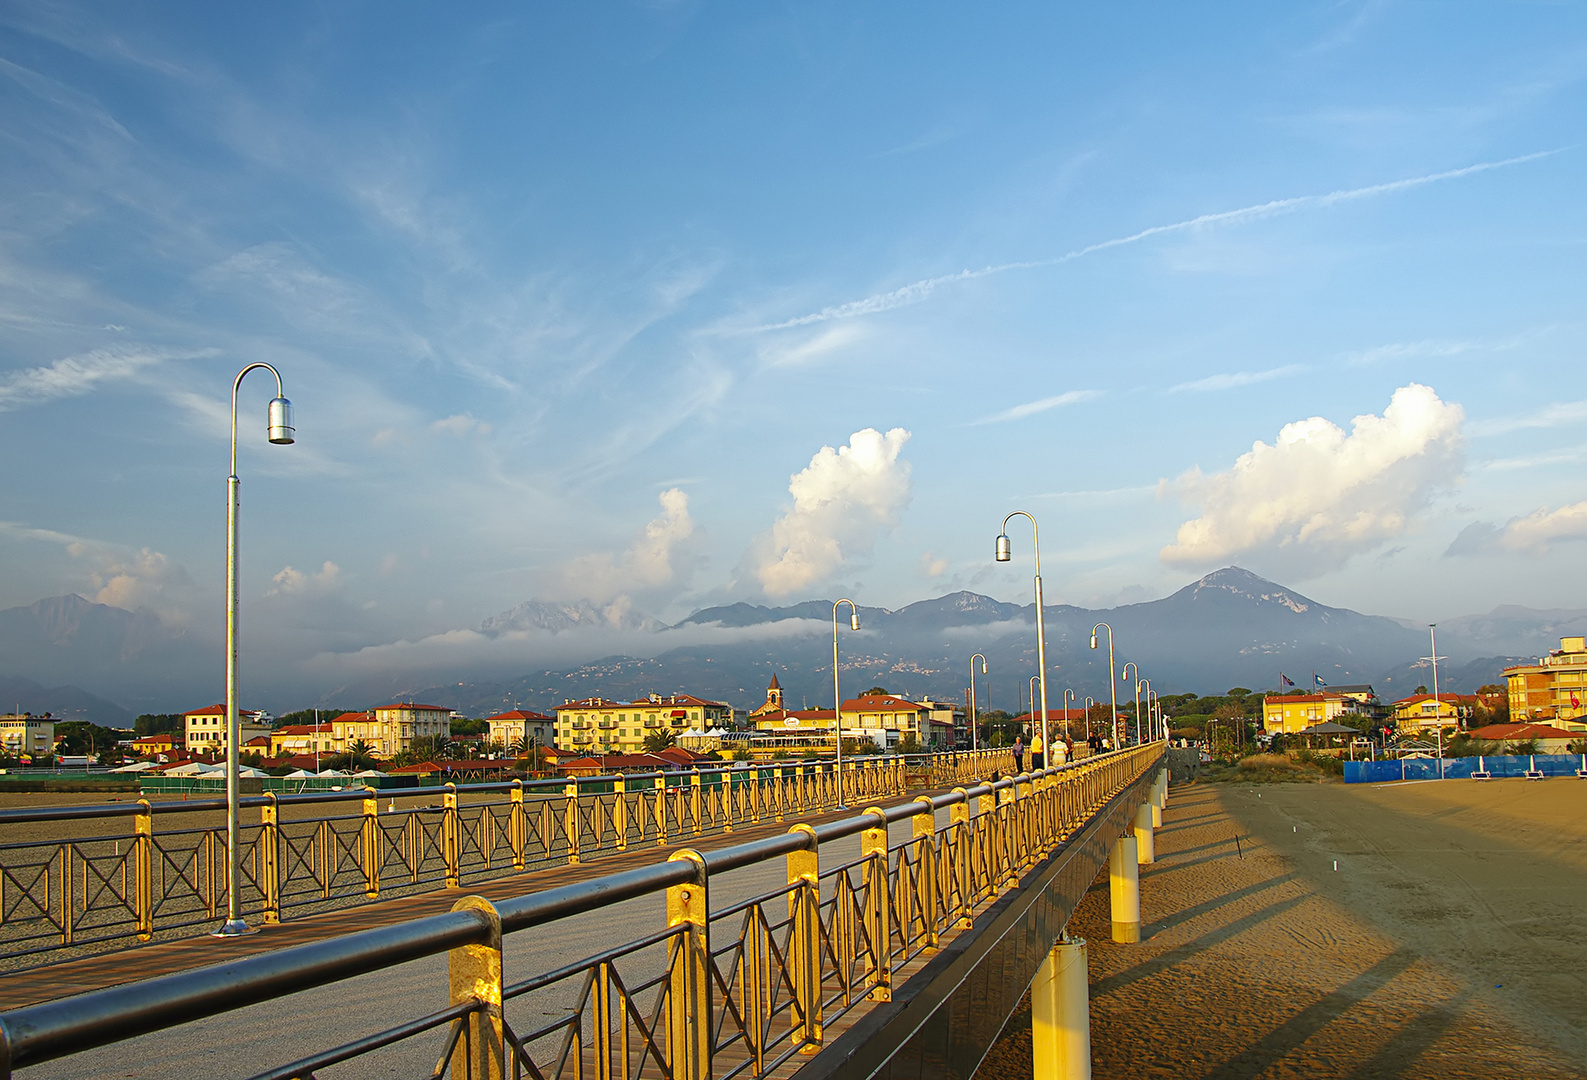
pixel 1060 1014
pixel 1124 888
pixel 1145 848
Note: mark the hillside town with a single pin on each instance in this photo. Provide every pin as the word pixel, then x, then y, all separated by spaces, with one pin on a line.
pixel 1540 710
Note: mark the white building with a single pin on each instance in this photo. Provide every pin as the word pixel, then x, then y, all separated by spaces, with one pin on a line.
pixel 24 733
pixel 204 730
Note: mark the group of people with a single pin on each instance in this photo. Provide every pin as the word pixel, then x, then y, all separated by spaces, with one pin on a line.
pixel 1063 750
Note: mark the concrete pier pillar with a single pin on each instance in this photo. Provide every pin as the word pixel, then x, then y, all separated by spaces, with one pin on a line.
pixel 1145 849
pixel 1124 888
pixel 1060 1014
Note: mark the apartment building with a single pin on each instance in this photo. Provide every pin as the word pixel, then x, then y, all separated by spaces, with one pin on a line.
pixel 204 730
pixel 599 725
pixel 1553 689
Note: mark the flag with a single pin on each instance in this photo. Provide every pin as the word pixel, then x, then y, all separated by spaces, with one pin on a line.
pixel 1318 680
pixel 1285 679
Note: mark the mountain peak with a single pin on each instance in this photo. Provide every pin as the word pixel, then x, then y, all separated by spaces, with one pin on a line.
pixel 1234 581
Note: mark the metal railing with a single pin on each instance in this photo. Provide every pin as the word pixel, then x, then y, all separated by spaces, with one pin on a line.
pixel 740 990
pixel 155 867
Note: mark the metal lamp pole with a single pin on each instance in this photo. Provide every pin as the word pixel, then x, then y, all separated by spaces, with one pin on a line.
pixel 1045 749
pixel 280 432
pixel 1004 554
pixel 1113 683
pixel 1124 673
pixel 837 698
pixel 1089 703
pixel 975 738
pixel 1069 695
pixel 1151 718
pixel 1438 721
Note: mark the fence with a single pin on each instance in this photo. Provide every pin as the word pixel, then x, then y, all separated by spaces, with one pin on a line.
pixel 156 867
pixel 740 991
pixel 1464 768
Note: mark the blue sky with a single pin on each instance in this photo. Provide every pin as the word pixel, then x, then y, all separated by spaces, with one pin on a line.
pixel 570 299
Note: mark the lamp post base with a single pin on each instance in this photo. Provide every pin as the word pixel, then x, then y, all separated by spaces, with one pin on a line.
pixel 234 928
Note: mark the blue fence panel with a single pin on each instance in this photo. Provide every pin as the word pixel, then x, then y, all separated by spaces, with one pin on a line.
pixel 1462 768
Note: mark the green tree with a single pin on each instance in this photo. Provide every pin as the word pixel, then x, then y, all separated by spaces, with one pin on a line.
pixel 81 737
pixel 435 748
pixel 660 740
pixel 875 691
pixel 158 724
pixel 470 727
pixel 909 744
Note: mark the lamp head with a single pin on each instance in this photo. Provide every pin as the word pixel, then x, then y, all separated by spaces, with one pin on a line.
pixel 1093 640
pixel 281 430
pixel 1004 552
pixel 854 619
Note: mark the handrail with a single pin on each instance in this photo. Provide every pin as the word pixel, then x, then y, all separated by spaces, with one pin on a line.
pixel 53 1029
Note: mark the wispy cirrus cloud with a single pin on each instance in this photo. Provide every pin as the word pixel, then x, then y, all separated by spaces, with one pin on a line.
pixel 1232 380
pixel 1556 415
pixel 917 291
pixel 1031 408
pixel 74 376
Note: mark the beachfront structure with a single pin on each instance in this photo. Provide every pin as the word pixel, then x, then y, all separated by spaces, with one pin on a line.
pixel 1422 712
pixel 535 729
pixel 1528 738
pixel 204 730
pixel 1553 689
pixel 598 725
pixel 24 733
pixel 390 729
pixel 1290 714
pixel 304 739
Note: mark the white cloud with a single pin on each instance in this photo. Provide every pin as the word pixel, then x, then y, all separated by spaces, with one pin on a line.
pixel 134 580
pixel 1236 379
pixel 1317 496
pixel 74 376
pixel 932 566
pixel 460 424
pixel 842 499
pixel 1031 408
pixel 1533 534
pixel 293 582
pixel 1555 415
pixel 661 555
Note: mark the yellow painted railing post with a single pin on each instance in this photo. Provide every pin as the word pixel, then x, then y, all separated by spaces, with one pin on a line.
pixel 475 976
pixel 925 833
pixel 369 843
pixel 689 1015
pixel 694 799
pixel 571 821
pixel 724 779
pixel 143 870
pixel 804 944
pixel 962 839
pixel 878 927
pixel 451 837
pixel 517 826
pixel 267 860
pixel 777 792
pixel 661 809
pixel 620 812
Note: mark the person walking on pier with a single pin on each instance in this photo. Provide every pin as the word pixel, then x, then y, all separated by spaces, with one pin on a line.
pixel 1038 759
pixel 1019 755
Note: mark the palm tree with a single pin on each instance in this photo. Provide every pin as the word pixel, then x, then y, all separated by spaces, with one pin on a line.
pixel 360 755
pixel 657 741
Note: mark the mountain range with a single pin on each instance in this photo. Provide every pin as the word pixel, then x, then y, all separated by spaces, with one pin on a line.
pixel 1230 628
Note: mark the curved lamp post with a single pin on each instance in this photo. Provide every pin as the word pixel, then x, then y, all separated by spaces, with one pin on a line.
pixel 1151 717
pixel 1124 673
pixel 1113 684
pixel 1089 703
pixel 1045 749
pixel 975 738
pixel 837 698
pixel 1004 554
pixel 280 432
pixel 1069 695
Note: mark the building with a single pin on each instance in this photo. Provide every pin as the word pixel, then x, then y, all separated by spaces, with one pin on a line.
pixel 535 729
pixel 204 730
pixel 24 733
pixel 304 739
pixel 1422 712
pixel 1289 714
pixel 152 745
pixel 597 725
pixel 1366 698
pixel 886 719
pixel 1553 689
pixel 1541 738
pixel 947 724
pixel 393 728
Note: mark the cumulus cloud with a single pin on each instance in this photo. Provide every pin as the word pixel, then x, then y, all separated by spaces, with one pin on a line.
pixel 660 556
pixel 1534 533
pixel 133 580
pixel 1318 495
pixel 842 500
pixel 293 582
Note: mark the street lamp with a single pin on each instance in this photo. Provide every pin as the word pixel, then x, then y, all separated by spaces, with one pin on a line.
pixel 1438 721
pixel 1113 684
pixel 1089 704
pixel 837 698
pixel 1004 554
pixel 1069 695
pixel 278 420
pixel 1125 674
pixel 975 739
pixel 1045 749
pixel 1151 717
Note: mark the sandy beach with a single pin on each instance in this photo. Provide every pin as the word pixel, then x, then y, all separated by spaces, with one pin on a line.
pixel 1448 944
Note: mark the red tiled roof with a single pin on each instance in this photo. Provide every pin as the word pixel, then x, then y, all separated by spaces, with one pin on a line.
pixel 1521 732
pixel 305 729
pixel 411 705
pixel 1457 699
pixel 881 703
pixel 423 767
pixel 518 714
pixel 219 710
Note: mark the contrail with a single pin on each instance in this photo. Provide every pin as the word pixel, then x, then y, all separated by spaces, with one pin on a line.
pixel 915 292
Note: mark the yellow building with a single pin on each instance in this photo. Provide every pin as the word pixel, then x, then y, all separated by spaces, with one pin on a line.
pixel 304 739
pixel 599 726
pixel 1421 712
pixel 886 719
pixel 1287 714
pixel 1553 689
pixel 24 733
pixel 390 729
pixel 204 730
